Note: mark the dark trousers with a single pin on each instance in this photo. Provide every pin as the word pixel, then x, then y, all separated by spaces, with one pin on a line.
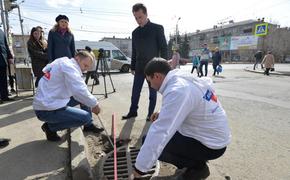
pixel 197 70
pixel 3 83
pixel 205 63
pixel 136 90
pixel 37 80
pixel 214 66
pixel 256 63
pixel 267 71
pixel 183 151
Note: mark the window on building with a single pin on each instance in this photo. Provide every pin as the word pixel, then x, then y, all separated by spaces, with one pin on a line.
pixel 248 30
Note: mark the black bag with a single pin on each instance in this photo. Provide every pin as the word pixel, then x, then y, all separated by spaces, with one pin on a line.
pixel 272 69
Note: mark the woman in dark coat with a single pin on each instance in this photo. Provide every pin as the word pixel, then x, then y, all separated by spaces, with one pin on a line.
pixel 61 40
pixel 37 51
pixel 216 60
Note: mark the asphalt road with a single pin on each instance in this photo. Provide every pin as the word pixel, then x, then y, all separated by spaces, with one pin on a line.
pixel 258 108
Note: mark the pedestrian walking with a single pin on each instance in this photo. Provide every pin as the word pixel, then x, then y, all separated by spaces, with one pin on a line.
pixel 268 63
pixel 195 63
pixel 216 60
pixel 204 58
pixel 258 58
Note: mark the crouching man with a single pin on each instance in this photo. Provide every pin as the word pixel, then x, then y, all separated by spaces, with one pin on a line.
pixel 191 127
pixel 61 88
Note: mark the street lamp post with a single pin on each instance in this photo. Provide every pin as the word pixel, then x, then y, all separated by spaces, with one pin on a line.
pixel 176 31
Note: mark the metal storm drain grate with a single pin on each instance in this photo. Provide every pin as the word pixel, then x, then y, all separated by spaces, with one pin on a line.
pixel 126 157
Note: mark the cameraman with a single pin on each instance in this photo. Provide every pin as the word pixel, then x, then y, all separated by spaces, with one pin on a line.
pixel 59 89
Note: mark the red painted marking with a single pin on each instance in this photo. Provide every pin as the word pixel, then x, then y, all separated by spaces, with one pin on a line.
pixel 115 149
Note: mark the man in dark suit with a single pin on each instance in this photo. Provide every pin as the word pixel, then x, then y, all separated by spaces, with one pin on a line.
pixel 6 58
pixel 148 41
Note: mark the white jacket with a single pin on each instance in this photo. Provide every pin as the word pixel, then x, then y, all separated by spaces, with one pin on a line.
pixel 189 106
pixel 62 79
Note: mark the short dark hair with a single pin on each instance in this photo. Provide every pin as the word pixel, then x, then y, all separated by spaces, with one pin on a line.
pixel 157 65
pixel 139 6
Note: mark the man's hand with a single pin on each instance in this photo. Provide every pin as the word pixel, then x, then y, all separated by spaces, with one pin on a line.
pixel 154 116
pixel 96 109
pixel 134 175
pixel 133 72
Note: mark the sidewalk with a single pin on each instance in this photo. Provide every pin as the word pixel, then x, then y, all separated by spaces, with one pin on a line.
pixel 29 155
pixel 280 69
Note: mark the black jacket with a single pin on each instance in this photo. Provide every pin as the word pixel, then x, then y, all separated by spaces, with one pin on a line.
pixel 147 42
pixel 60 46
pixel 38 55
pixel 216 58
pixel 4 50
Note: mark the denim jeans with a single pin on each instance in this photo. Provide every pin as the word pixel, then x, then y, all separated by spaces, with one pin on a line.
pixel 137 87
pixel 66 117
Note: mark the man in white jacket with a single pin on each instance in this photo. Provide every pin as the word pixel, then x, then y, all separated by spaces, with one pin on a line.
pixel 62 87
pixel 191 127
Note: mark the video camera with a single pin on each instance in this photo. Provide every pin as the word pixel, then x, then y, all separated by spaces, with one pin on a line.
pixel 101 53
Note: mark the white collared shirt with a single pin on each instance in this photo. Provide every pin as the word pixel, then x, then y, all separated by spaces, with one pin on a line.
pixel 189 106
pixel 62 79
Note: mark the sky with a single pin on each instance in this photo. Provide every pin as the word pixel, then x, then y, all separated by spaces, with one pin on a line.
pixel 94 19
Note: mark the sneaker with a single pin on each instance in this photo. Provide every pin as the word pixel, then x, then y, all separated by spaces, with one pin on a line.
pixel 130 115
pixel 190 174
pixel 50 135
pixel 93 128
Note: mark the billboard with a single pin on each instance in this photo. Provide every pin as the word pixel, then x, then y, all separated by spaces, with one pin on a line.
pixel 243 42
pixel 224 43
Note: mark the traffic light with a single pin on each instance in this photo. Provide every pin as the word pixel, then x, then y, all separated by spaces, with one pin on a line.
pixel 9 5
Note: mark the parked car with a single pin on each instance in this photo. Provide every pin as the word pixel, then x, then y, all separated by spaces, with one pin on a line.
pixel 114 57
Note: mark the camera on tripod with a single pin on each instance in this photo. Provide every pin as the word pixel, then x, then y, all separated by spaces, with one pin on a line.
pixel 101 53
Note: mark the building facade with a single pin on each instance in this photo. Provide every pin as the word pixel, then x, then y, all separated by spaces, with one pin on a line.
pixel 239 41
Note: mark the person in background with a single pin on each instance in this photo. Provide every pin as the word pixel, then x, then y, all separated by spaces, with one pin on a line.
pixel 92 72
pixel 175 60
pixel 38 53
pixel 216 60
pixel 195 63
pixel 191 127
pixel 42 38
pixel 148 41
pixel 268 62
pixel 6 59
pixel 61 40
pixel 61 88
pixel 258 59
pixel 204 58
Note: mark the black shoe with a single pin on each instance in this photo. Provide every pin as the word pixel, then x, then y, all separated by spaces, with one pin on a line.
pixel 190 174
pixel 8 99
pixel 50 135
pixel 96 81
pixel 130 115
pixel 12 91
pixel 4 142
pixel 93 128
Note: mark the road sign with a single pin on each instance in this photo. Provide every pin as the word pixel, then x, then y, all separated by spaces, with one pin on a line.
pixel 261 29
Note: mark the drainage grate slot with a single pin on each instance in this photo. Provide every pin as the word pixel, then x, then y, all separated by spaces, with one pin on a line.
pixel 126 157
